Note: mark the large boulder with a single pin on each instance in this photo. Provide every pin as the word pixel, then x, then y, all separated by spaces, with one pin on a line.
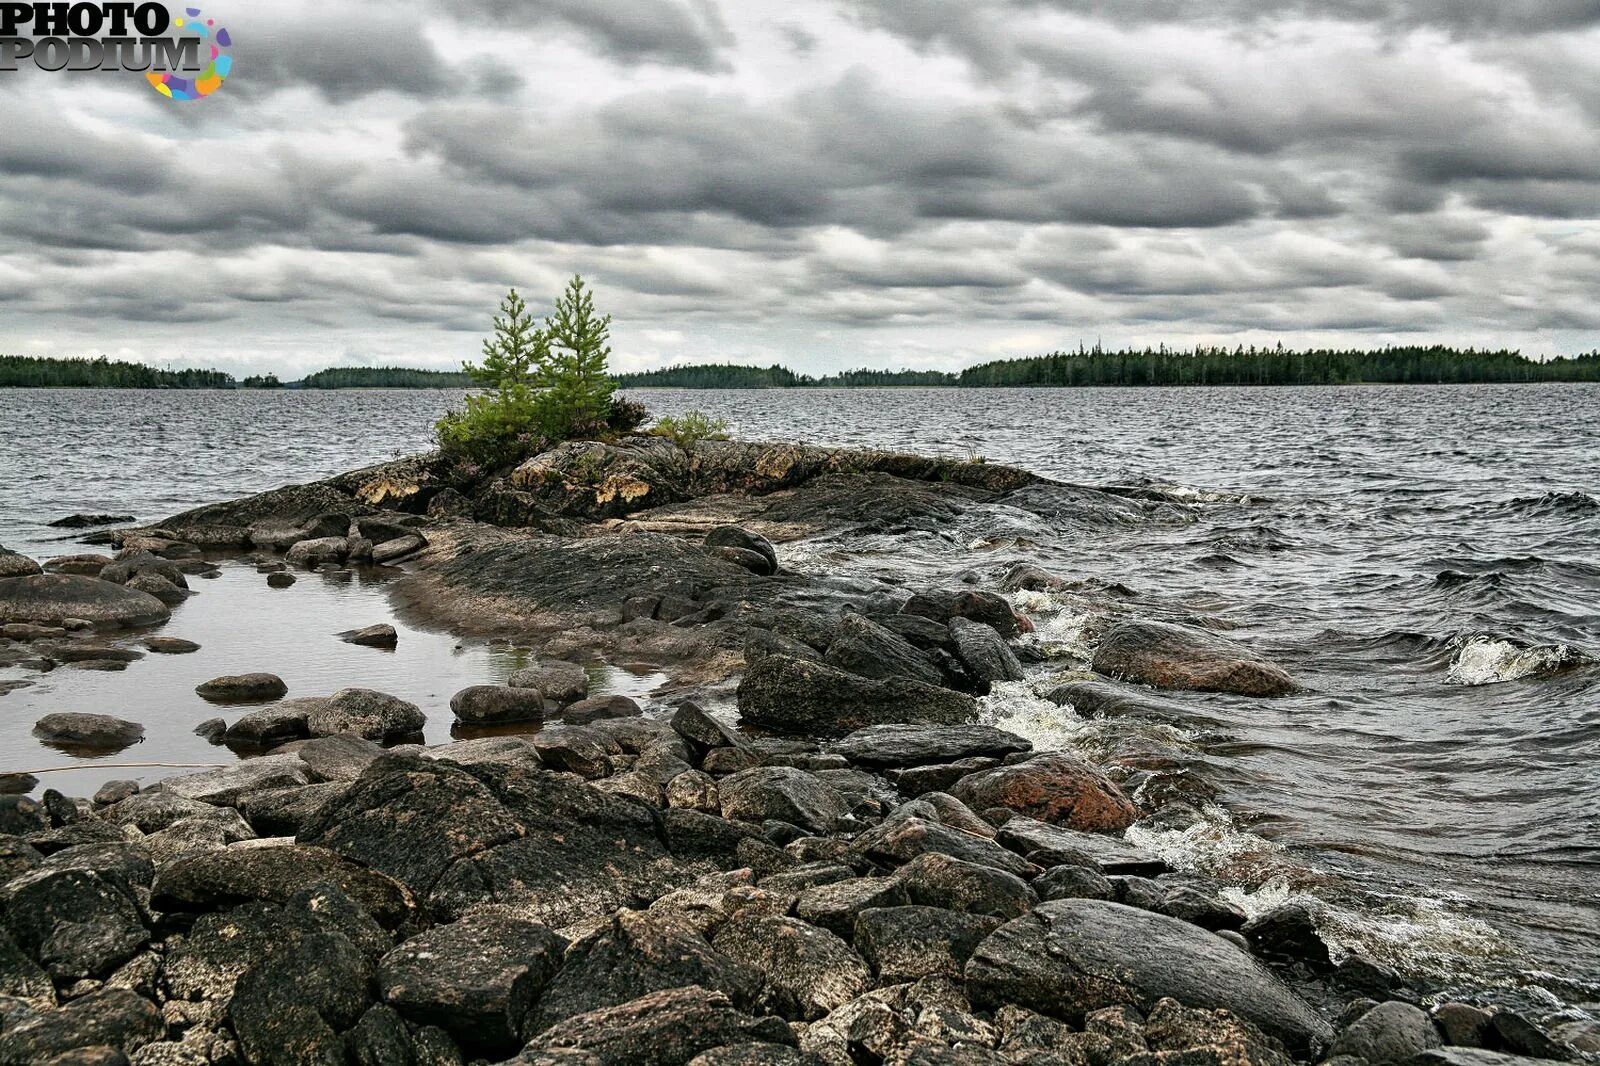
pixel 984 652
pixel 214 879
pixel 477 978
pixel 1073 956
pixel 880 746
pixel 274 724
pixel 497 705
pixel 862 646
pixel 368 714
pixel 52 599
pixel 792 696
pixel 560 682
pixel 14 565
pixel 943 605
pixel 1390 1032
pixel 743 540
pixel 807 971
pixel 1056 787
pixel 782 793
pixel 1164 655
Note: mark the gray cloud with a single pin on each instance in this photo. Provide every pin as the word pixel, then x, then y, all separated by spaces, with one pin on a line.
pixel 936 183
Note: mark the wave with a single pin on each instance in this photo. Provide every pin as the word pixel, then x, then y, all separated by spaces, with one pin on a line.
pixel 1487 660
pixel 1558 503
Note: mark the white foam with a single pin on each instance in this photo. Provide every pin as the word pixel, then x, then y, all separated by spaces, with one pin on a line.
pixel 1062 625
pixel 1484 660
pixel 1213 844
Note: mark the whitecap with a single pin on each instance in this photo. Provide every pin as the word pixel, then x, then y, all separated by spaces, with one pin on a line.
pixel 1484 660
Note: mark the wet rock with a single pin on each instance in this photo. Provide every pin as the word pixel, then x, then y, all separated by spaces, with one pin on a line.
pixel 701 730
pixel 25 632
pixel 577 750
pixel 243 688
pixel 113 1017
pixel 236 875
pixel 1201 908
pixel 381 635
pixel 742 539
pixel 280 579
pixel 863 647
pixel 810 699
pixel 632 955
pixel 1170 656
pixel 274 724
pixel 918 780
pixel 17 784
pixel 90 732
pixel 136 564
pixel 1074 882
pixel 497 704
pixel 934 880
pixel 695 791
pixel 1461 1056
pixel 560 682
pixel 477 978
pixel 13 564
pixel 224 786
pixel 87 564
pixel 1175 1031
pixel 412 820
pixel 599 709
pixel 368 714
pixel 1580 1034
pixel 782 793
pixel 1390 1032
pixel 1461 1024
pixel 913 745
pixel 285 811
pixel 1052 845
pixel 341 757
pixel 1288 934
pixel 910 943
pixel 806 971
pixel 897 842
pixel 52 599
pixel 212 729
pixel 397 548
pixel 984 652
pixel 170 645
pixel 942 605
pixel 1515 1033
pixel 660 1029
pixel 159 587
pixel 88 520
pixel 1056 788
pixel 835 906
pixel 318 550
pixel 1072 956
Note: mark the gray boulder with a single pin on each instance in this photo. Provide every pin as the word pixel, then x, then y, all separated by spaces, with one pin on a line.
pixel 70 730
pixel 1073 956
pixel 243 688
pixel 561 682
pixel 795 697
pixel 862 646
pixel 782 793
pixel 368 714
pixel 1390 1032
pixel 984 652
pixel 881 746
pixel 497 705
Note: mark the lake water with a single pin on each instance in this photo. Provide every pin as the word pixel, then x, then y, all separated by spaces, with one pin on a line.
pixel 1425 560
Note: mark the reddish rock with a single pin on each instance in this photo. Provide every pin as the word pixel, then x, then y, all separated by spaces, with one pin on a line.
pixel 1057 788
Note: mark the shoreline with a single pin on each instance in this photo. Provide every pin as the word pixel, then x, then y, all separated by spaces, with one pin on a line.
pixel 609 556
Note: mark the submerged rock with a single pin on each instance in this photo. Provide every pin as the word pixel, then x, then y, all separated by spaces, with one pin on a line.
pixel 170 645
pixel 795 697
pixel 1164 655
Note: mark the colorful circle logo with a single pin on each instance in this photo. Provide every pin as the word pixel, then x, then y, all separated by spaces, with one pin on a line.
pixel 211 78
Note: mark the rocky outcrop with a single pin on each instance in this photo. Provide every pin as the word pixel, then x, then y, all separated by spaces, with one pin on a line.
pixel 1164 655
pixel 54 599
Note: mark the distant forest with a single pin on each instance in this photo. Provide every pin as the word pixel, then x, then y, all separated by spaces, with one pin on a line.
pixel 1086 366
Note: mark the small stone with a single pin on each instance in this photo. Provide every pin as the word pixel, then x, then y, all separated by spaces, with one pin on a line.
pixel 170 645
pixel 115 792
pixel 281 579
pixel 374 636
pixel 243 688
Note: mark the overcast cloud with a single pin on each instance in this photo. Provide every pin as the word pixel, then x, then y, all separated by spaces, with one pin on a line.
pixel 826 183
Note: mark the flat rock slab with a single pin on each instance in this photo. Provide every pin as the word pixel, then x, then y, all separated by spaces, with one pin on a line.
pixel 879 746
pixel 170 645
pixel 52 599
pixel 1170 656
pixel 215 879
pixel 225 786
pixel 1072 956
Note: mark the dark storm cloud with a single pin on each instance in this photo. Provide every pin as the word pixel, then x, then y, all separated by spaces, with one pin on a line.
pixel 376 51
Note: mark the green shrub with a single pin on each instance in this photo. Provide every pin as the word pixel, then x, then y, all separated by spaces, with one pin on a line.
pixel 692 427
pixel 542 384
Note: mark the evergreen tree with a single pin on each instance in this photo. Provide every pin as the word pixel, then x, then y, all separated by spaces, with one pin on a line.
pixel 578 386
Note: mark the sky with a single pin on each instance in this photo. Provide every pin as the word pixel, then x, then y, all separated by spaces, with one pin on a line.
pixel 822 183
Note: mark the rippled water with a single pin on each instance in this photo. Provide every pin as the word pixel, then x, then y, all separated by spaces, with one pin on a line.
pixel 1425 560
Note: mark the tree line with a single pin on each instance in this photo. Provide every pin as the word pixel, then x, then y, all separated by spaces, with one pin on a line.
pixel 1086 366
